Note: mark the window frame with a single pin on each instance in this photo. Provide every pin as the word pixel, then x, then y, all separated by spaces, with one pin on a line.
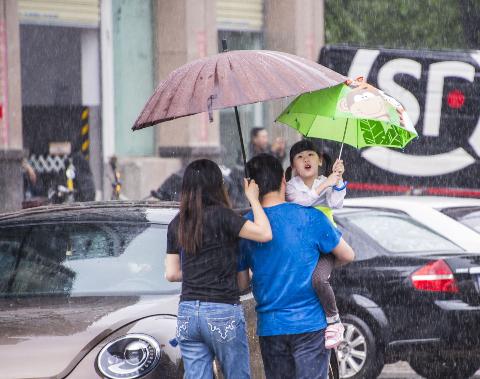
pixel 352 210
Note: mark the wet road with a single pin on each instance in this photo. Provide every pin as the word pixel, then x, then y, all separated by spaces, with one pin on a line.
pixel 402 370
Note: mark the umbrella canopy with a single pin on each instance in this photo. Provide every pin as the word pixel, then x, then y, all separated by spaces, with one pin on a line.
pixel 357 114
pixel 230 79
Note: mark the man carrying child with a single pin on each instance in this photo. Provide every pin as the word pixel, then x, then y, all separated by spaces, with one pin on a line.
pixel 290 319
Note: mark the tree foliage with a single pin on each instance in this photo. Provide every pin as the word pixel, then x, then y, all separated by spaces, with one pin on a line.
pixel 414 24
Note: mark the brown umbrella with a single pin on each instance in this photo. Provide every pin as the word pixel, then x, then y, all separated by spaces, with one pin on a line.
pixel 230 79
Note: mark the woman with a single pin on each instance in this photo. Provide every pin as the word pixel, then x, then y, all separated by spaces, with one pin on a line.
pixel 202 252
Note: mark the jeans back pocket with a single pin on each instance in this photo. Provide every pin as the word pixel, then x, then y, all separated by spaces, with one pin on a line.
pixel 223 329
pixel 182 327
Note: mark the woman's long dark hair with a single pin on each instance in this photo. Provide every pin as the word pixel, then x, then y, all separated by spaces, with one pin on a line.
pixel 202 186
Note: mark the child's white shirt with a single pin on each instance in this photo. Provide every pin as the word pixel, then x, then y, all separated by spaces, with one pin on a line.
pixel 298 192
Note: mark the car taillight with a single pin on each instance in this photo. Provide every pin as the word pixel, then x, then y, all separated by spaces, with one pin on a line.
pixel 435 276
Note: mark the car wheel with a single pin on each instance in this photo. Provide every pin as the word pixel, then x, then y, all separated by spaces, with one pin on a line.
pixel 434 367
pixel 358 355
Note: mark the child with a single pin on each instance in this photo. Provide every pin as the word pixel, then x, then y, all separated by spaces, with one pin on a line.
pixel 308 189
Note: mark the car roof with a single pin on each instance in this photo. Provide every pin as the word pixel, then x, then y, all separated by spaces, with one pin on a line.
pixel 400 202
pixel 98 211
pixel 421 210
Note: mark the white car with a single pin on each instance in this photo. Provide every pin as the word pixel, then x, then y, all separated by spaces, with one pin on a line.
pixel 466 211
pixel 437 213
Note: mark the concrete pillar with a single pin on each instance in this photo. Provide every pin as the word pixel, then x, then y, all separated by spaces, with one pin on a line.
pixel 11 148
pixel 194 24
pixel 108 88
pixel 90 56
pixel 129 37
pixel 140 175
pixel 295 27
pixel 133 57
pixel 11 179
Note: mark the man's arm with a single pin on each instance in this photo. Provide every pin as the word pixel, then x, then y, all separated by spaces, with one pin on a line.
pixel 243 280
pixel 173 270
pixel 343 253
pixel 243 269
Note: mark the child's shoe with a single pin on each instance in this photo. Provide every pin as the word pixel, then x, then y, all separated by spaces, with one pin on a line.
pixel 334 335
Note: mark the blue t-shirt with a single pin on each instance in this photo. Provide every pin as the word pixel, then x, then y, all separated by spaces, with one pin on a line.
pixel 282 269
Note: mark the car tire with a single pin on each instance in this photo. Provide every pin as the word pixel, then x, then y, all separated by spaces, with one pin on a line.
pixel 434 367
pixel 359 355
pixel 333 367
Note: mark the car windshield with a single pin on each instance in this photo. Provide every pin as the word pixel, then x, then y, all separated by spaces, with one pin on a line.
pixel 397 232
pixel 84 259
pixel 467 216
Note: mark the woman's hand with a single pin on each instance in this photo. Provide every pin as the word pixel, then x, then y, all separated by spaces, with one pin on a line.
pixel 252 191
pixel 259 230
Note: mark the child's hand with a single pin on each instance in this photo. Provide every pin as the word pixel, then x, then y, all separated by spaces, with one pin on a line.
pixel 333 179
pixel 338 167
pixel 252 191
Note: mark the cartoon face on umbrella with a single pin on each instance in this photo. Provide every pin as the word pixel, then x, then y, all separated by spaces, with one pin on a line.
pixel 364 102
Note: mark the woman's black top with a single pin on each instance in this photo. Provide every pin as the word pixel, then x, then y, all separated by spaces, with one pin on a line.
pixel 210 274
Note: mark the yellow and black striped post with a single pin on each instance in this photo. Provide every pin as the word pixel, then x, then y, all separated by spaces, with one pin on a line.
pixel 85 135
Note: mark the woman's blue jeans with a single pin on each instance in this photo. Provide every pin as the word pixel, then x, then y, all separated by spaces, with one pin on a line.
pixel 209 330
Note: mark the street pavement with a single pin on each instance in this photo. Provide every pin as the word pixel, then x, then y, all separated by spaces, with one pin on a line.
pixel 402 370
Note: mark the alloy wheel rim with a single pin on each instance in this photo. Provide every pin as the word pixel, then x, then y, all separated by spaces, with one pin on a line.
pixel 352 352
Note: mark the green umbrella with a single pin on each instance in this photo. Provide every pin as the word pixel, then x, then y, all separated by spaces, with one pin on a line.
pixel 356 113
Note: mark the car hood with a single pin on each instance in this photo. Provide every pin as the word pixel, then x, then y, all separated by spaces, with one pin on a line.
pixel 47 337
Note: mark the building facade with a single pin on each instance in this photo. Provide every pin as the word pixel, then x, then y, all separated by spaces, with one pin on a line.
pixel 88 67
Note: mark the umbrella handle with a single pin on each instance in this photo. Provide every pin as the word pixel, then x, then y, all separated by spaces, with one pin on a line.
pixel 340 154
pixel 337 188
pixel 244 156
pixel 343 139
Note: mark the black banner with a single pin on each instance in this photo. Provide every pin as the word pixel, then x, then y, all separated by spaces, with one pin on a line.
pixel 441 92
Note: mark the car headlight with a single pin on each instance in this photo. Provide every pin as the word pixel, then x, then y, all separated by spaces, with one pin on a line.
pixel 128 357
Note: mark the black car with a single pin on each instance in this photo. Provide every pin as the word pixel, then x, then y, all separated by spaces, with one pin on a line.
pixel 411 294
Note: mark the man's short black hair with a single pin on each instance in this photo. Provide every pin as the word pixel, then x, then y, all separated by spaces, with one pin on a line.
pixel 267 171
pixel 255 131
